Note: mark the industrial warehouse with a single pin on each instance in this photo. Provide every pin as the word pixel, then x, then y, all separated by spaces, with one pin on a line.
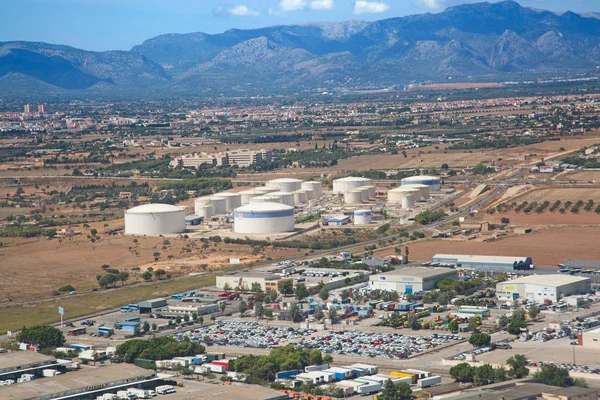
pixel 411 280
pixel 484 263
pixel 542 288
pixel 272 209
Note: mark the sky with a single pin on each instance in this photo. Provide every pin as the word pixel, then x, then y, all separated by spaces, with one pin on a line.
pixel 120 24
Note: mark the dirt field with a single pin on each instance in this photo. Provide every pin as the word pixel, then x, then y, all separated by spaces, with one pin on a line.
pixel 587 176
pixel 547 247
pixel 562 194
pixel 454 86
pixel 36 267
pixel 547 218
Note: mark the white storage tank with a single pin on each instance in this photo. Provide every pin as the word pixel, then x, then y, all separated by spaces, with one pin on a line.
pixel 434 182
pixel 396 195
pixel 363 217
pixel 263 218
pixel 246 195
pixel 342 185
pixel 285 197
pixel 204 210
pixel 372 191
pixel 353 196
pixel 301 196
pixel 408 200
pixel 423 189
pixel 268 189
pixel 315 186
pixel 265 199
pixel 364 193
pixel 286 184
pixel 155 219
pixel 232 200
pixel 219 205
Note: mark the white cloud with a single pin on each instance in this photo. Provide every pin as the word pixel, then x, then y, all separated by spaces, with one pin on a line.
pixel 242 11
pixel 370 7
pixel 292 5
pixel 322 5
pixel 430 3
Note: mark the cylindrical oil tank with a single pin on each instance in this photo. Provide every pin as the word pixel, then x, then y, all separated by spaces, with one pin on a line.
pixel 364 193
pixel 342 185
pixel 301 196
pixel 434 182
pixel 265 199
pixel 395 195
pixel 287 198
pixel 155 219
pixel 232 200
pixel 263 218
pixel 372 191
pixel 269 189
pixel 363 217
pixel 310 194
pixel 219 205
pixel 423 189
pixel 353 196
pixel 246 195
pixel 408 200
pixel 204 210
pixel 315 186
pixel 286 184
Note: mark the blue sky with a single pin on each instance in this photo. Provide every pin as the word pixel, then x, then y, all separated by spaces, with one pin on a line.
pixel 121 24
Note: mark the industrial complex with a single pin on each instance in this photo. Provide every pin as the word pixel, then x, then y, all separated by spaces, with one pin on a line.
pixel 411 280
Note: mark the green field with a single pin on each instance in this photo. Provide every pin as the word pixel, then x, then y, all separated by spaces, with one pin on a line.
pixel 14 317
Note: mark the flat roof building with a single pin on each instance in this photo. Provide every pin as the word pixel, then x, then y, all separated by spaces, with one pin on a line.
pixel 266 280
pixel 542 287
pixel 148 306
pixel 19 362
pixel 484 263
pixel 85 384
pixel 411 280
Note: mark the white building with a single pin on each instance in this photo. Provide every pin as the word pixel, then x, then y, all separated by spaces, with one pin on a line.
pixel 411 280
pixel 542 287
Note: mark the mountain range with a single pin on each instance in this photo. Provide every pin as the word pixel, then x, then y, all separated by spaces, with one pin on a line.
pixel 485 40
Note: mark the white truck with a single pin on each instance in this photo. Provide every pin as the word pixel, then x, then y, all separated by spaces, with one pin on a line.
pixel 48 372
pixel 431 381
pixel 165 389
pixel 140 393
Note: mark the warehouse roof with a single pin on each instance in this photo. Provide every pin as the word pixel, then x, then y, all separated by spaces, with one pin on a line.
pixel 483 259
pixel 21 358
pixel 84 380
pixel 420 272
pixel 548 280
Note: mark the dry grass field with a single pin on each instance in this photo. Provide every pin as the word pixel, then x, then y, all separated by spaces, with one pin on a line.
pixel 579 175
pixel 456 86
pixel 562 194
pixel 547 247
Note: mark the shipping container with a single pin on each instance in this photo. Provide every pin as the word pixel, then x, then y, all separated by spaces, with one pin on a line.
pixel 368 388
pixel 50 372
pixel 431 381
pixel 287 374
pixel 401 374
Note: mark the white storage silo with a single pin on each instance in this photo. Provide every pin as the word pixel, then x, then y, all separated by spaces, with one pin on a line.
pixel 199 202
pixel 219 205
pixel 232 200
pixel 423 189
pixel 286 197
pixel 263 218
pixel 246 195
pixel 204 210
pixel 265 199
pixel 342 185
pixel 408 199
pixel 372 191
pixel 301 196
pixel 315 186
pixel 396 196
pixel 364 193
pixel 434 182
pixel 286 184
pixel 353 196
pixel 363 217
pixel 155 219
pixel 268 189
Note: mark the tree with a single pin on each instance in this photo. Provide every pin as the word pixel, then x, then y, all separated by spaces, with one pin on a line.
pixel 401 391
pixel 269 314
pixel 453 326
pixel 480 339
pixel 332 315
pixel 94 231
pixel 242 308
pixel 107 279
pixel 505 220
pixel 201 320
pixel 159 273
pixel 324 293
pixel 444 298
pixel 295 313
pixel 301 291
pixel 222 307
pixel 123 276
pixel 146 275
pixel 518 366
pixel 286 287
pixel 105 266
pixel 552 375
pixel 485 375
pixel 462 372
pixel 515 326
pixel 533 312
pixel 473 324
pixel 154 327
pixel 146 326
pixel 186 318
pixel 137 331
pixel 42 335
pixel 256 288
pixel 500 374
pixel 66 289
pixel 503 320
pixel 259 310
pixel 413 322
pixel 319 314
